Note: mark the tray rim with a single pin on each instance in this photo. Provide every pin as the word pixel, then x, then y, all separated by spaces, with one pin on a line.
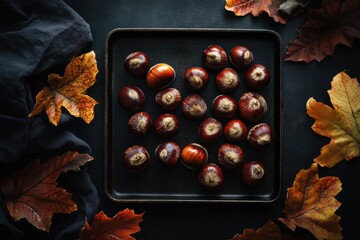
pixel 106 119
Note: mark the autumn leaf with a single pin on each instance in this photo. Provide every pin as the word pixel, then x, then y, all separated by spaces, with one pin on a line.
pixel 311 204
pixel 32 193
pixel 255 7
pixel 69 91
pixel 341 124
pixel 269 231
pixel 337 22
pixel 121 226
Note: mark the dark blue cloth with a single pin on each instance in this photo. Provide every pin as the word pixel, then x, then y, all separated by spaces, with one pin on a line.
pixel 35 37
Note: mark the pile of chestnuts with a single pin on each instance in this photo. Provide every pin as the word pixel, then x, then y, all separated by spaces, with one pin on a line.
pixel 230 121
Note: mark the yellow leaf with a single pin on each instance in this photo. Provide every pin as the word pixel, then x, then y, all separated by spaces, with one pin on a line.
pixel 341 124
pixel 69 91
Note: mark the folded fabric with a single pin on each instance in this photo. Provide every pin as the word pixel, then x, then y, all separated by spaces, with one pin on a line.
pixel 36 36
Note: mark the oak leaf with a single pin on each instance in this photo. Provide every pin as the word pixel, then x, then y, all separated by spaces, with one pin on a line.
pixel 69 91
pixel 255 7
pixel 337 22
pixel 269 231
pixel 121 226
pixel 341 124
pixel 311 204
pixel 32 193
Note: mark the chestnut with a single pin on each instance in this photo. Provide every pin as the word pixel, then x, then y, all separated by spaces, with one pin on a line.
pixel 211 176
pixel 230 155
pixel 227 80
pixel 140 123
pixel 166 125
pixel 136 158
pixel 131 98
pixel 194 107
pixel 168 99
pixel 160 76
pixel 210 130
pixel 240 56
pixel 196 78
pixel 137 63
pixel 235 131
pixel 214 57
pixel 168 153
pixel 224 107
pixel 252 173
pixel 194 156
pixel 252 106
pixel 257 76
pixel 259 135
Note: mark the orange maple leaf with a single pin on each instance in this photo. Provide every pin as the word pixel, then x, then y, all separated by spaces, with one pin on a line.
pixel 69 91
pixel 269 231
pixel 255 7
pixel 32 192
pixel 121 226
pixel 341 123
pixel 311 204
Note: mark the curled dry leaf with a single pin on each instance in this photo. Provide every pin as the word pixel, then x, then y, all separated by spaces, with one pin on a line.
pixel 269 231
pixel 337 22
pixel 121 226
pixel 69 91
pixel 32 192
pixel 341 124
pixel 311 204
pixel 255 7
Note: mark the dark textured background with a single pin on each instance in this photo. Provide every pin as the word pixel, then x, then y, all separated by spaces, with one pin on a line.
pixel 301 145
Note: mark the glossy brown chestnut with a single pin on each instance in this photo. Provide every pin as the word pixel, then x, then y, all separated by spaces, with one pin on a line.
pixel 240 56
pixel 140 123
pixel 196 78
pixel 227 80
pixel 160 76
pixel 137 63
pixel 131 98
pixel 194 156
pixel 194 107
pixel 211 176
pixel 230 155
pixel 166 125
pixel 253 173
pixel 224 107
pixel 210 130
pixel 259 135
pixel 235 131
pixel 168 99
pixel 214 57
pixel 136 158
pixel 257 76
pixel 252 106
pixel 168 153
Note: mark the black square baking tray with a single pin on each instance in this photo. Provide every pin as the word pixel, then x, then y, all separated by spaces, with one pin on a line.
pixel 182 48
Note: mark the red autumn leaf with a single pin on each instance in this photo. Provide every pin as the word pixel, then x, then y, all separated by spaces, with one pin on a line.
pixel 255 7
pixel 121 226
pixel 269 231
pixel 32 193
pixel 337 22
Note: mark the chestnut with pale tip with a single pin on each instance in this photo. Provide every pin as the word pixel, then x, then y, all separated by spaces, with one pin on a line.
pixel 131 98
pixel 194 156
pixel 253 173
pixel 166 125
pixel 210 130
pixel 168 153
pixel 137 63
pixel 211 176
pixel 214 57
pixel 136 158
pixel 252 106
pixel 257 76
pixel 160 76
pixel 235 131
pixel 168 99
pixel 259 135
pixel 230 156
pixel 140 123
pixel 194 107
pixel 241 56
pixel 227 80
pixel 196 78
pixel 224 107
